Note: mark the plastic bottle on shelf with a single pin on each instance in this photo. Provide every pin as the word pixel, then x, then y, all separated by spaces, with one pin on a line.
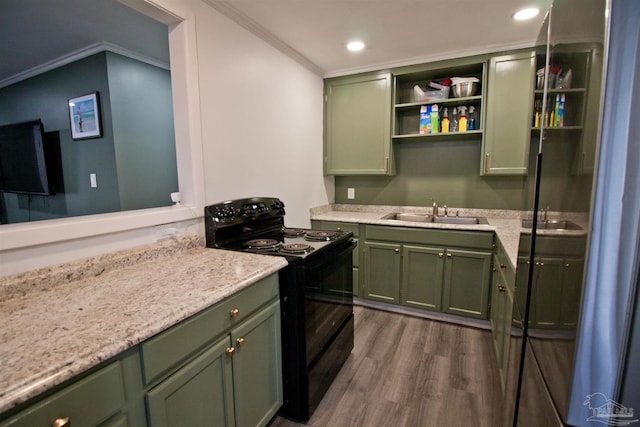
pixel 471 120
pixel 454 120
pixel 435 119
pixel 462 122
pixel 445 121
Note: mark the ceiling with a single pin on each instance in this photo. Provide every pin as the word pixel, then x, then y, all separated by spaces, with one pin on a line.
pixel 314 32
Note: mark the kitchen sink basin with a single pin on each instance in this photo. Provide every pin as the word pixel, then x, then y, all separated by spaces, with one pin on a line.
pixel 408 217
pixel 552 225
pixel 460 220
pixel 437 220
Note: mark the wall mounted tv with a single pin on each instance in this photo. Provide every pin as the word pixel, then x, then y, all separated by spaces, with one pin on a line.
pixel 29 159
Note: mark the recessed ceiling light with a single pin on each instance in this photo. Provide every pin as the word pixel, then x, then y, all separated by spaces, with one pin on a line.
pixel 355 46
pixel 524 14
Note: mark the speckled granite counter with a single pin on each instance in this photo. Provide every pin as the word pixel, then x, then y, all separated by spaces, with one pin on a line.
pixel 505 223
pixel 60 321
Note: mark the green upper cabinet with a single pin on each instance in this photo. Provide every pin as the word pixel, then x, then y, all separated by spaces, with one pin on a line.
pixel 509 111
pixel 358 125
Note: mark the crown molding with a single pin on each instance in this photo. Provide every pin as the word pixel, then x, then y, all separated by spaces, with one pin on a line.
pixel 78 55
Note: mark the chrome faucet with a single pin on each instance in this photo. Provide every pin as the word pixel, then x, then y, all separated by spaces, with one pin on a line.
pixel 544 213
pixel 435 208
pixel 446 211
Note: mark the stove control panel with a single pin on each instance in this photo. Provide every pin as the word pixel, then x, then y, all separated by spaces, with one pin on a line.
pixel 251 209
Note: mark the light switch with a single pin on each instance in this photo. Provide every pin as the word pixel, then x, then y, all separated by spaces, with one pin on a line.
pixel 94 182
pixel 351 193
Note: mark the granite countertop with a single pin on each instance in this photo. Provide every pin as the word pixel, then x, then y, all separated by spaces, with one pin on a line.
pixel 60 321
pixel 506 224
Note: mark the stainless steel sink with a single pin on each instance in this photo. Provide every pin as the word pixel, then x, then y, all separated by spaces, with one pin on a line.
pixel 437 220
pixel 552 225
pixel 460 220
pixel 408 217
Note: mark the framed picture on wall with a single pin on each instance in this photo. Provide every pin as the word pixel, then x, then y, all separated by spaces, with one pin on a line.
pixel 84 116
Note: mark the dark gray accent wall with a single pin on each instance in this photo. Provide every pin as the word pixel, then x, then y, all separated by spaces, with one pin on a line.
pixel 135 159
pixel 143 131
pixel 46 97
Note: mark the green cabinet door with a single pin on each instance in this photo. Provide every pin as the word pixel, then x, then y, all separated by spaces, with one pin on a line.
pixel 199 394
pixel 467 278
pixel 382 271
pixel 508 119
pixel 358 125
pixel 572 271
pixel 257 384
pixel 546 294
pixel 500 318
pixel 422 275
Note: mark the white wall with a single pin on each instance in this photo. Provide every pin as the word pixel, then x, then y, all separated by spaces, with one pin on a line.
pixel 261 120
pixel 238 104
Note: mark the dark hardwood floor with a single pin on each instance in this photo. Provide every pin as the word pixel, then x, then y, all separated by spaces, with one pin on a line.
pixel 413 372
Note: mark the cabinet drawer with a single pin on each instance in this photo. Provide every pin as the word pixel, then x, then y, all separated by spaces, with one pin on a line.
pixel 335 225
pixel 87 402
pixel 469 239
pixel 164 352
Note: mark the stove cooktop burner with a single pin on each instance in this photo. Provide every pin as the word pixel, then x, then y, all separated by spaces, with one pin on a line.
pixel 293 232
pixel 319 236
pixel 263 244
pixel 296 248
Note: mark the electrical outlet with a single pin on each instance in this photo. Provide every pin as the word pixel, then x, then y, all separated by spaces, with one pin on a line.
pixel 351 193
pixel 94 182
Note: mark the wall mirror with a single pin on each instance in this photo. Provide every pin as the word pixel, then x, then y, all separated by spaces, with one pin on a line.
pixel 132 165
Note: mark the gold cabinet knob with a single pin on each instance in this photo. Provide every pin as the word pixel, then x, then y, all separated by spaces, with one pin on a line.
pixel 448 255
pixel 502 265
pixel 440 254
pixel 230 351
pixel 567 265
pixel 501 288
pixel 61 422
pixel 397 251
pixel 240 341
pixel 234 313
pixel 338 228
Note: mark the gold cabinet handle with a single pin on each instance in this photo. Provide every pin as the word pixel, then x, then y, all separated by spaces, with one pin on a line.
pixel 448 255
pixel 397 250
pixel 234 313
pixel 240 341
pixel 486 162
pixel 567 265
pixel 501 288
pixel 61 422
pixel 338 228
pixel 502 265
pixel 495 270
pixel 440 254
pixel 230 351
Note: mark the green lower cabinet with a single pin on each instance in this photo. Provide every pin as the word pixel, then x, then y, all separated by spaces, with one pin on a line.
pixel 500 318
pixel 382 271
pixel 257 368
pixel 467 276
pixel 235 382
pixel 422 275
pixel 546 293
pixel 91 401
pixel 209 377
pixel 572 272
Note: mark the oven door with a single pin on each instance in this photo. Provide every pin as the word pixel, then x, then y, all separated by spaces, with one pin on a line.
pixel 328 298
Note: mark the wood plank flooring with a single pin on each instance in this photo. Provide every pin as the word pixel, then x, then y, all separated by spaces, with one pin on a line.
pixel 412 372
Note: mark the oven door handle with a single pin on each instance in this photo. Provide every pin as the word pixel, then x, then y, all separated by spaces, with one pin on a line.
pixel 332 256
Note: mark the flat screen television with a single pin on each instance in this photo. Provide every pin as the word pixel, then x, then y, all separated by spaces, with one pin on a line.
pixel 26 159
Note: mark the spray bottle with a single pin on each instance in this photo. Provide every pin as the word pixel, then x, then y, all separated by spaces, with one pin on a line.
pixel 471 121
pixel 462 123
pixel 454 121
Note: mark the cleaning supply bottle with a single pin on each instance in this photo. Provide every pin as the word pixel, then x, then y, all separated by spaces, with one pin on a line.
pixel 471 120
pixel 454 120
pixel 462 122
pixel 445 121
pixel 435 119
